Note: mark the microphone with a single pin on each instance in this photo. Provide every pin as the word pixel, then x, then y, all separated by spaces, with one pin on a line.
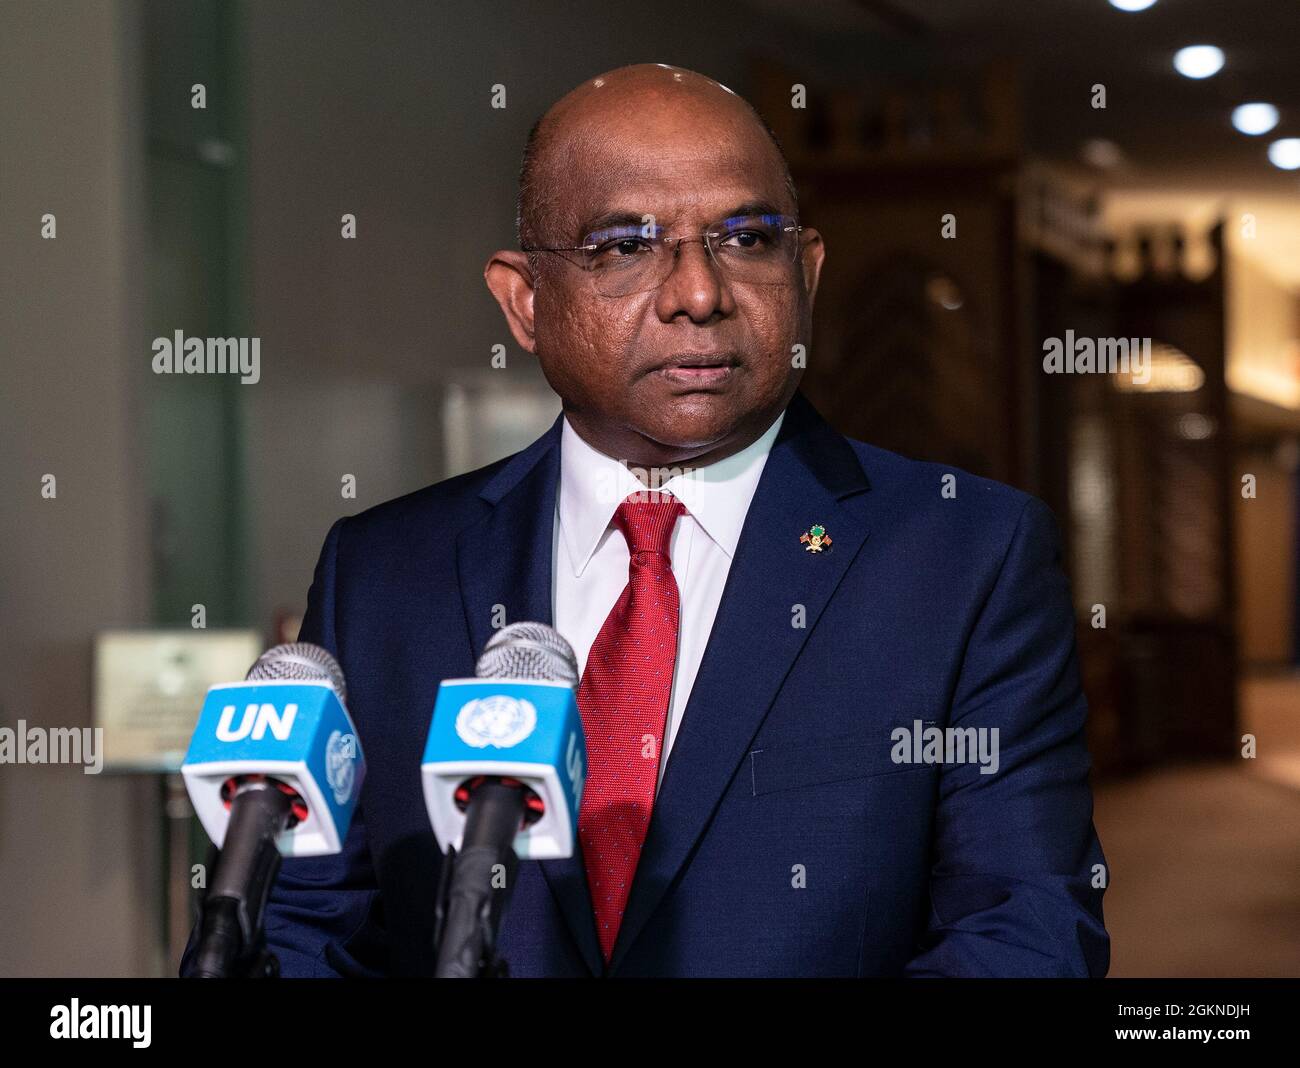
pixel 274 768
pixel 503 772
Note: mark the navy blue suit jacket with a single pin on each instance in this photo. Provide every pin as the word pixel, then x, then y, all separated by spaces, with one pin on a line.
pixel 785 840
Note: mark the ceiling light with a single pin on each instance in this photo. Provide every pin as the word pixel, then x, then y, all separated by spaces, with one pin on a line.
pixel 1285 153
pixel 1198 61
pixel 1195 427
pixel 1168 370
pixel 1102 154
pixel 1132 5
pixel 1254 119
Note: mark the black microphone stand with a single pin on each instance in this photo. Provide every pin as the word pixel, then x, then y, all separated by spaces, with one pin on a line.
pixel 232 940
pixel 469 907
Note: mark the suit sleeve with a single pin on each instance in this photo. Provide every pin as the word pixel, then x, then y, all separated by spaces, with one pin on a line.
pixel 319 905
pixel 1017 870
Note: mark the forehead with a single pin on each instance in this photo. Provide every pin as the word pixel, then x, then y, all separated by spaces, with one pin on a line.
pixel 697 180
pixel 693 187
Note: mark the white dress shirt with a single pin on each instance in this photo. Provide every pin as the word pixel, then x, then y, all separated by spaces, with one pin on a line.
pixel 589 556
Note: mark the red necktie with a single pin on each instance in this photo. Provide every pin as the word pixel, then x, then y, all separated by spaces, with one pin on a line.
pixel 623 699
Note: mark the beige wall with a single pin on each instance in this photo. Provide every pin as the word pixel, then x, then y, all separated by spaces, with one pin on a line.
pixel 1263 333
pixel 77 852
pixel 1265 536
pixel 1263 324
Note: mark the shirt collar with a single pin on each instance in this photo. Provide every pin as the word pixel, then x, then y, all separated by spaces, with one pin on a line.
pixel 593 484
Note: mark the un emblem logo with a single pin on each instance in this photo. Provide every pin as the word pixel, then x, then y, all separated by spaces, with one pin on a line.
pixel 497 721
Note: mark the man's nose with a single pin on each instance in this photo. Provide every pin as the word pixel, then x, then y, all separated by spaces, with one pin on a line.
pixel 694 283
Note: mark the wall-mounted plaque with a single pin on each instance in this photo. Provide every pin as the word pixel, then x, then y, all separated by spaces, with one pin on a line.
pixel 150 685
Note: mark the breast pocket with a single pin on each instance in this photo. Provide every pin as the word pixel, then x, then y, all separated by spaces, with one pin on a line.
pixel 789 766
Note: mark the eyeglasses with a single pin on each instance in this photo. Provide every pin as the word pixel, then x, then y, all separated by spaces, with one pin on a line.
pixel 751 249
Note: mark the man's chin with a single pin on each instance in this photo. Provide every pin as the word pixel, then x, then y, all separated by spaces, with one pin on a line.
pixel 697 424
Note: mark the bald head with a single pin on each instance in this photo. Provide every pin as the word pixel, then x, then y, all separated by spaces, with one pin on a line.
pixel 654 97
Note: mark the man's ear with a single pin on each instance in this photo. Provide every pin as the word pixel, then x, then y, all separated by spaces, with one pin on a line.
pixel 510 279
pixel 811 257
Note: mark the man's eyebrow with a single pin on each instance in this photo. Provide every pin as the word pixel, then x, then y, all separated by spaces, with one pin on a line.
pixel 758 206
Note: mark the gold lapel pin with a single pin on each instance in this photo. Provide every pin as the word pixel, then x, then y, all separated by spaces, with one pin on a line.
pixel 816 539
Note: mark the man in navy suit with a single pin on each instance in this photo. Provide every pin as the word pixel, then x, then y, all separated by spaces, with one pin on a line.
pixel 831 696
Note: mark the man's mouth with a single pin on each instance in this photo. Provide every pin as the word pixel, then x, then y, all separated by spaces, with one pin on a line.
pixel 698 368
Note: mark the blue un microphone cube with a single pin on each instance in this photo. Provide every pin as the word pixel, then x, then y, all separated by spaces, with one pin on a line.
pixel 296 732
pixel 525 730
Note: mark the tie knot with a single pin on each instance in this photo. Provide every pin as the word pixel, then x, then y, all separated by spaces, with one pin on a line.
pixel 646 519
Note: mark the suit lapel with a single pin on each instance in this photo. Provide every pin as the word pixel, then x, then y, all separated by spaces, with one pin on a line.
pixel 505 559
pixel 753 645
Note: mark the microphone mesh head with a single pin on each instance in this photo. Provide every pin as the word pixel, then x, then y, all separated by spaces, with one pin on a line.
pixel 531 651
pixel 300 661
